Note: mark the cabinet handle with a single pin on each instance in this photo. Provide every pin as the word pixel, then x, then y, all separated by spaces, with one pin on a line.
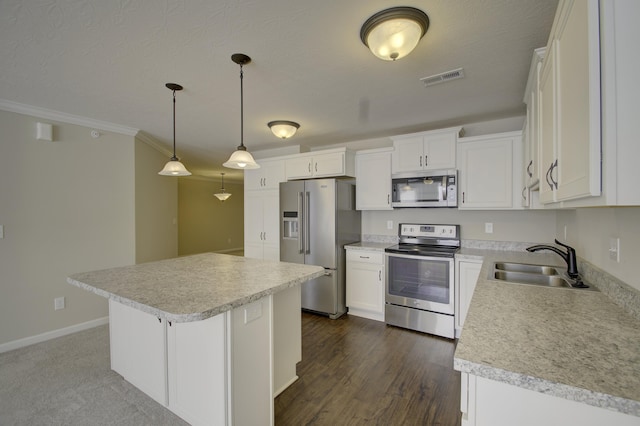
pixel 421 161
pixel 425 161
pixel 379 275
pixel 316 167
pixel 388 199
pixel 529 168
pixel 462 197
pixel 523 190
pixel 554 166
pixel 309 167
pixel 160 320
pixel 265 235
pixel 547 176
pixel 364 257
pixel 169 322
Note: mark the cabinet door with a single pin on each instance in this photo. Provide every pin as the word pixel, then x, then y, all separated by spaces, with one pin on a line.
pixel 365 279
pixel 287 337
pixel 298 168
pixel 408 154
pixel 548 126
pixel 137 345
pixel 373 181
pixel 272 174
pixel 467 276
pixel 440 151
pixel 578 102
pixel 253 179
pixel 197 367
pixel 271 217
pixel 486 174
pixel 328 164
pixel 253 218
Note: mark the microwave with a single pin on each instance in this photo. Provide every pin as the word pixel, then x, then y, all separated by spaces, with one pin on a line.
pixel 433 188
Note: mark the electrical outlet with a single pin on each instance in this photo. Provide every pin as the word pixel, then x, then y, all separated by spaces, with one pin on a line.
pixel 614 249
pixel 389 224
pixel 58 303
pixel 488 228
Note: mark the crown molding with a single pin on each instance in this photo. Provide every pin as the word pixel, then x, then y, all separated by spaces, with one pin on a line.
pixel 153 143
pixel 63 117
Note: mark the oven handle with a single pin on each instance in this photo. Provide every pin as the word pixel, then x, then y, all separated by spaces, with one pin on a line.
pixel 421 257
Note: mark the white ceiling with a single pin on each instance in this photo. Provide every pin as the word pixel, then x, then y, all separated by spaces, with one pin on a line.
pixel 110 60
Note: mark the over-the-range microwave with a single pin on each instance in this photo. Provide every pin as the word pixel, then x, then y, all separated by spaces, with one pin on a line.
pixel 433 188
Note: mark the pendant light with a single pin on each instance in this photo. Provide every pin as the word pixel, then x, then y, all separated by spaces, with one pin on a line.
pixel 393 33
pixel 174 167
pixel 222 196
pixel 241 158
pixel 283 129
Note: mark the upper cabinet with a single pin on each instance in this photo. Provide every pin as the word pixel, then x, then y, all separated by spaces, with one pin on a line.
pixel 431 150
pixel 268 176
pixel 373 179
pixel 327 163
pixel 489 171
pixel 570 102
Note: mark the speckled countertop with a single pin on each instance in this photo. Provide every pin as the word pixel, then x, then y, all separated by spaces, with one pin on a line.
pixel 368 246
pixel 193 288
pixel 569 343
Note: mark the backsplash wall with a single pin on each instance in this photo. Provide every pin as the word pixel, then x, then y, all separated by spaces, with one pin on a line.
pixel 538 226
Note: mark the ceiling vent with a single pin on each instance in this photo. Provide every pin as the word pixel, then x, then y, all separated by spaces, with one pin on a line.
pixel 442 77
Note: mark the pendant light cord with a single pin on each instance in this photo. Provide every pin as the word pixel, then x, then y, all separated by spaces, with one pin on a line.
pixel 174 126
pixel 241 109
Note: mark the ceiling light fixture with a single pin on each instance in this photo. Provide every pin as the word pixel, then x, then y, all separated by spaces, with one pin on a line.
pixel 393 33
pixel 222 196
pixel 283 129
pixel 241 158
pixel 174 167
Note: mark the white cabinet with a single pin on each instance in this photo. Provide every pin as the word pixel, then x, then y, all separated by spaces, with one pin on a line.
pixel 570 101
pixel 268 176
pixel 433 150
pixel 287 337
pixel 196 368
pixel 486 402
pixel 531 131
pixel 327 163
pixel 373 179
pixel 365 283
pixel 490 171
pixel 137 349
pixel 467 272
pixel 261 224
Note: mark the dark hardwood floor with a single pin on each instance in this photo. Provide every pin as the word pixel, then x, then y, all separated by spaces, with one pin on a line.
pixel 356 371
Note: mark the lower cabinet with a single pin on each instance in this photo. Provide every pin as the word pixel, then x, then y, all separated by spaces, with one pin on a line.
pixel 486 402
pixel 365 284
pixel 211 372
pixel 467 272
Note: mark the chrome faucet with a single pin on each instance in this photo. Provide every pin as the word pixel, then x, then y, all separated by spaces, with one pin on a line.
pixel 569 257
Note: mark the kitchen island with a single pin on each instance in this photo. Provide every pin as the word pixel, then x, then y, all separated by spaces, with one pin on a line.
pixel 196 333
pixel 531 355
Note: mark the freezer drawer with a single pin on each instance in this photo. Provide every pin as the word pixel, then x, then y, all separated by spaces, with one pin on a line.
pixel 323 295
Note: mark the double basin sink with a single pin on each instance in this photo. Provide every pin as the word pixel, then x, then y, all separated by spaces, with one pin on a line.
pixel 540 275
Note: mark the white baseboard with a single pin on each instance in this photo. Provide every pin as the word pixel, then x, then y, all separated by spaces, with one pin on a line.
pixel 20 343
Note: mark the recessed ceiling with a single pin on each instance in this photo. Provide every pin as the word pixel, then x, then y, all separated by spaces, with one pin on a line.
pixel 110 60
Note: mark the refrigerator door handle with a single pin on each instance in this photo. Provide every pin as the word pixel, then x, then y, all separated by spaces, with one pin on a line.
pixel 301 236
pixel 307 222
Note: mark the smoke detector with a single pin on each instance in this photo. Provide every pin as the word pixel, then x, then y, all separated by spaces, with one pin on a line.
pixel 443 77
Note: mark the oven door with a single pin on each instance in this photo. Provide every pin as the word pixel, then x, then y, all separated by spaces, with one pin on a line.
pixel 420 282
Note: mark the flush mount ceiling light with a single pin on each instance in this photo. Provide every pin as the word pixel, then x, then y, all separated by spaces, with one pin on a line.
pixel 174 167
pixel 222 196
pixel 393 33
pixel 283 129
pixel 241 158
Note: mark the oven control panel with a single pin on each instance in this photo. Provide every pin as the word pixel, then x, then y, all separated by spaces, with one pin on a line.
pixel 436 231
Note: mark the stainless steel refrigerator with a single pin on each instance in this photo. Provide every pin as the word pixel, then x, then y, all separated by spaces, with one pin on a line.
pixel 317 218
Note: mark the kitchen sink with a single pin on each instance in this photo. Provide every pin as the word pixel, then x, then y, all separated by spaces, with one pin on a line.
pixel 540 275
pixel 523 267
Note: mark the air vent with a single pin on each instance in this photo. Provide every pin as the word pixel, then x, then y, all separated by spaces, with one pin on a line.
pixel 442 77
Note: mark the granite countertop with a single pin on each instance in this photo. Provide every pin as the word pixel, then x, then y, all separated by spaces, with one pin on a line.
pixel 194 288
pixel 368 246
pixel 568 343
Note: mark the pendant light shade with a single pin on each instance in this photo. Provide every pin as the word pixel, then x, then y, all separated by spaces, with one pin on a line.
pixel 283 129
pixel 241 158
pixel 174 167
pixel 222 195
pixel 393 33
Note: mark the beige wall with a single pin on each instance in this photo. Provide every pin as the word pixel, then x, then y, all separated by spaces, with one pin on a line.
pixel 66 206
pixel 205 223
pixel 589 231
pixel 520 225
pixel 156 206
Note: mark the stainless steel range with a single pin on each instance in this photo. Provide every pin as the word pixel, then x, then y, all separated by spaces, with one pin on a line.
pixel 420 278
